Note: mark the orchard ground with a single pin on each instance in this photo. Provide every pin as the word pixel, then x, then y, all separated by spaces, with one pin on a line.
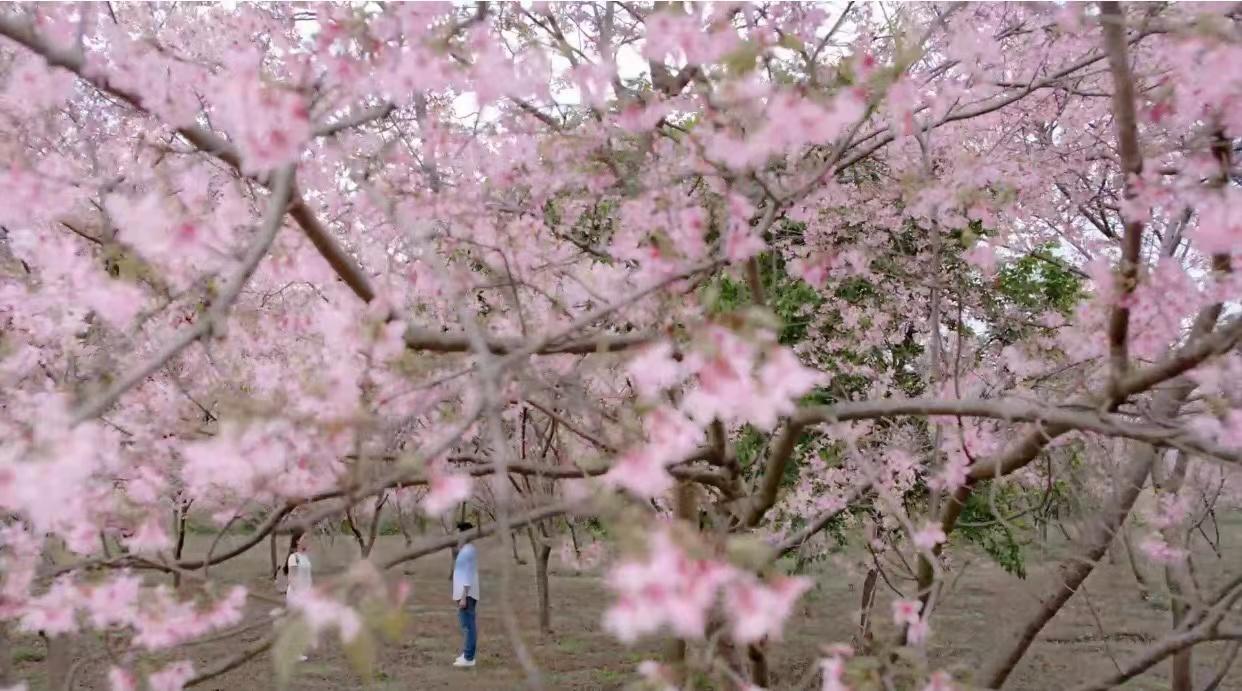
pixel 1108 619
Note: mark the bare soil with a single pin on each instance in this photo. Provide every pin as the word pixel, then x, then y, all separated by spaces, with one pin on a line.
pixel 1108 620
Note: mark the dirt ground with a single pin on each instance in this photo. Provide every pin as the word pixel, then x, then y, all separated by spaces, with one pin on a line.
pixel 1107 620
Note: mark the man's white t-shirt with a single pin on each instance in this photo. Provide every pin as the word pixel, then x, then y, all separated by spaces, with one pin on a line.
pixel 299 574
pixel 466 573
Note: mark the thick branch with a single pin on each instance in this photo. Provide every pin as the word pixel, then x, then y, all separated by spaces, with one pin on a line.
pixel 442 543
pixel 1131 167
pixel 1166 647
pixel 1072 573
pixel 229 664
pixel 423 339
pixel 817 524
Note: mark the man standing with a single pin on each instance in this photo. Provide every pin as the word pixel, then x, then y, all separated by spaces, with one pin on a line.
pixel 466 594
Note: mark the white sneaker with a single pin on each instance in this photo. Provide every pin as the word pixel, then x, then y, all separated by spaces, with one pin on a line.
pixel 461 661
pixel 302 658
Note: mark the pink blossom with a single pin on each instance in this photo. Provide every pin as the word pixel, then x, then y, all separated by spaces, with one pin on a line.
pixel 226 611
pixel 741 243
pixel 917 631
pixel 903 98
pixel 952 475
pixel 35 86
pixel 53 613
pixel 929 536
pixel 636 118
pixel 667 588
pixel 1171 510
pixel 813 269
pixel 113 601
pixel 906 611
pixel 782 380
pixel 654 369
pixel 671 437
pixel 641 472
pixel 983 256
pixel 939 681
pixel 672 34
pixel 1219 227
pixel 120 679
pixel 270 124
pixel 594 81
pixel 445 490
pixel 657 675
pixel 171 677
pixel 152 226
pixel 150 536
pixel 322 612
pixel 1160 551
pixel 759 610
pixel 833 670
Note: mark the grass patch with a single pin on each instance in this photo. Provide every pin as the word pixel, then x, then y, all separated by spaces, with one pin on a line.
pixel 610 676
pixel 23 654
pixel 572 645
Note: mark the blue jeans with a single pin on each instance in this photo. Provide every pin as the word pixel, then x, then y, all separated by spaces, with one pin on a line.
pixel 466 617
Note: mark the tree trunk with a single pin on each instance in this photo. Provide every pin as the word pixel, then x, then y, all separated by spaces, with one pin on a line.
pixel 865 638
pixel 1178 578
pixel 542 552
pixel 373 532
pixel 353 530
pixel 517 558
pixel 6 655
pixel 1144 588
pixel 408 567
pixel 272 554
pixel 1072 572
pixel 573 537
pixel 59 661
pixel 758 664
pixel 1165 405
pixel 687 509
pixel 179 525
pixel 405 529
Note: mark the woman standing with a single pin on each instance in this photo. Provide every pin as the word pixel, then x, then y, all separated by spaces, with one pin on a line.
pixel 297 571
pixel 297 567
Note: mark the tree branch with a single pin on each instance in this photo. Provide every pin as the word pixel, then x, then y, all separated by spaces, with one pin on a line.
pixel 211 322
pixel 369 115
pixel 1131 167
pixel 442 543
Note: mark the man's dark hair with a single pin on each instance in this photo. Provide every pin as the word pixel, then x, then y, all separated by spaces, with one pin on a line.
pixel 464 526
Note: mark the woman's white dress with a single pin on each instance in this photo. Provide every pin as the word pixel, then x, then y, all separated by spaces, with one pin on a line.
pixel 299 575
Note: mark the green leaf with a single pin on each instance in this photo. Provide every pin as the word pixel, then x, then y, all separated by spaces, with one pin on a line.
pixel 292 642
pixel 980 525
pixel 791 42
pixel 749 551
pixel 389 621
pixel 742 60
pixel 360 651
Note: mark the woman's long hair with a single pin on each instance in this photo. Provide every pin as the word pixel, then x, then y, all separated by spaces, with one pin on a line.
pixel 293 546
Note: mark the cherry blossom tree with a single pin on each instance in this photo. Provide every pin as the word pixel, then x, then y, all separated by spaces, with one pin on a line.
pixel 731 279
